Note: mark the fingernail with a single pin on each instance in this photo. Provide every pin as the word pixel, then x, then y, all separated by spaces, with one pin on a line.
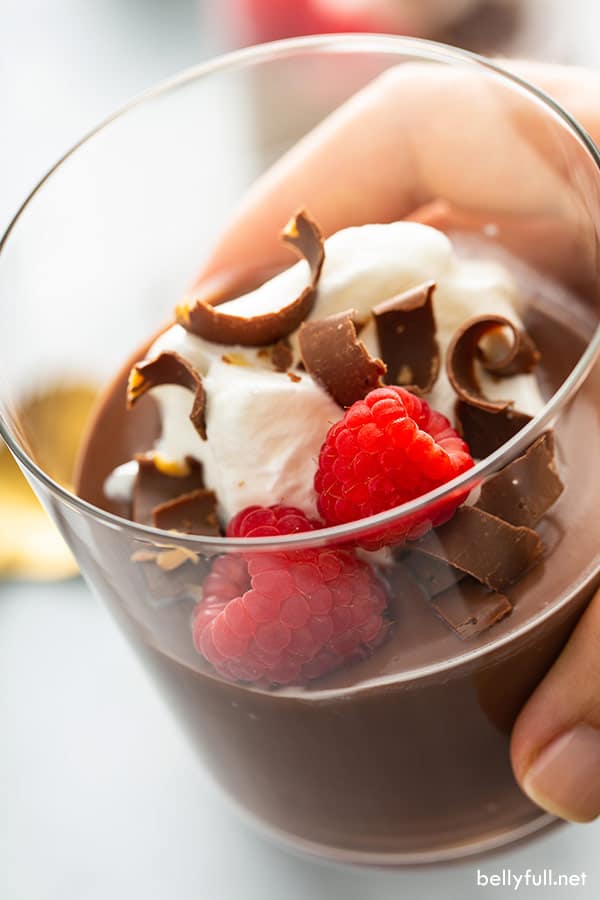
pixel 565 778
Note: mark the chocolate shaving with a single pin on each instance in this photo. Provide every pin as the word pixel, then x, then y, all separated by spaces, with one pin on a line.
pixel 406 332
pixel 465 349
pixel 335 357
pixel 169 574
pixel 524 490
pixel 282 355
pixel 435 576
pixel 203 317
pixel 469 608
pixel 519 495
pixel 153 487
pixel 193 513
pixel 304 235
pixel 485 431
pixel 169 368
pixel 484 546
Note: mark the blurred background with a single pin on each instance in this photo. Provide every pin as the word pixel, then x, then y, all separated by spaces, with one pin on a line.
pixel 64 66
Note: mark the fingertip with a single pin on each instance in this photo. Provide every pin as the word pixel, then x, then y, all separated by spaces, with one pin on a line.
pixel 564 778
pixel 555 744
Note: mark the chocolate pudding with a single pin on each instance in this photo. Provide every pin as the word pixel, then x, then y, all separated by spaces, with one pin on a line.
pixel 403 754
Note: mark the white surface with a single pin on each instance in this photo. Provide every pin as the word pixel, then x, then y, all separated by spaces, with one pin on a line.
pixel 100 797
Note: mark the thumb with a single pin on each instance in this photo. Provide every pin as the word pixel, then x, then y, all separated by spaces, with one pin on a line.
pixel 555 747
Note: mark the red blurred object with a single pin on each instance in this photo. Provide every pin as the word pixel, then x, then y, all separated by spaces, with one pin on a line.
pixel 485 26
pixel 269 20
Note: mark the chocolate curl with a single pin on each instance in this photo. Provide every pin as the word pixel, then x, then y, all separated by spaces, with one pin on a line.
pixel 205 319
pixel 335 357
pixel 156 484
pixel 193 513
pixel 484 546
pixel 487 424
pixel 485 431
pixel 465 349
pixel 470 609
pixel 304 235
pixel 406 331
pixel 524 490
pixel 169 368
pixel 520 356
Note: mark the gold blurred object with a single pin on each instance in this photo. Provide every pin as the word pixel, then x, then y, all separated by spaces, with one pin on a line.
pixel 30 545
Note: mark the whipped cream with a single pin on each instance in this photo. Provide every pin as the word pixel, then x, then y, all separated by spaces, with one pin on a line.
pixel 264 435
pixel 265 429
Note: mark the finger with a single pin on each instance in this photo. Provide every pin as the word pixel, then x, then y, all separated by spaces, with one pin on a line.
pixel 555 747
pixel 545 242
pixel 575 88
pixel 335 171
pixel 400 143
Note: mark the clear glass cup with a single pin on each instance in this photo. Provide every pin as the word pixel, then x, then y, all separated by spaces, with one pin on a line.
pixel 402 757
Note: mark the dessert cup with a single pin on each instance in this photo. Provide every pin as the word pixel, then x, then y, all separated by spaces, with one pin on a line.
pixel 403 756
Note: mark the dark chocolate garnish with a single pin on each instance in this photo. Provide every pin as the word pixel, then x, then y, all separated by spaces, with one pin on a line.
pixel 152 487
pixel 524 490
pixel 192 513
pixel 520 494
pixel 484 546
pixel 169 368
pixel 305 236
pixel 469 608
pixel 465 348
pixel 335 357
pixel 204 318
pixel 167 581
pixel 406 332
pixel 520 356
pixel 435 576
pixel 485 431
pixel 282 355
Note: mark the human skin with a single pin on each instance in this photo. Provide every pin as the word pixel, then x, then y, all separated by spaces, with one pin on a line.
pixel 406 153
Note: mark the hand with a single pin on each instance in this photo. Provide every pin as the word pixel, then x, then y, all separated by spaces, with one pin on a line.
pixel 410 147
pixel 399 144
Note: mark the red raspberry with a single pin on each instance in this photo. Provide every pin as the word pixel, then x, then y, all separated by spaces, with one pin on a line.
pixel 286 616
pixel 269 521
pixel 389 448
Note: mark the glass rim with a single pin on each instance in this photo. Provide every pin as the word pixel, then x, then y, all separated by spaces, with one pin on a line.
pixel 425 50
